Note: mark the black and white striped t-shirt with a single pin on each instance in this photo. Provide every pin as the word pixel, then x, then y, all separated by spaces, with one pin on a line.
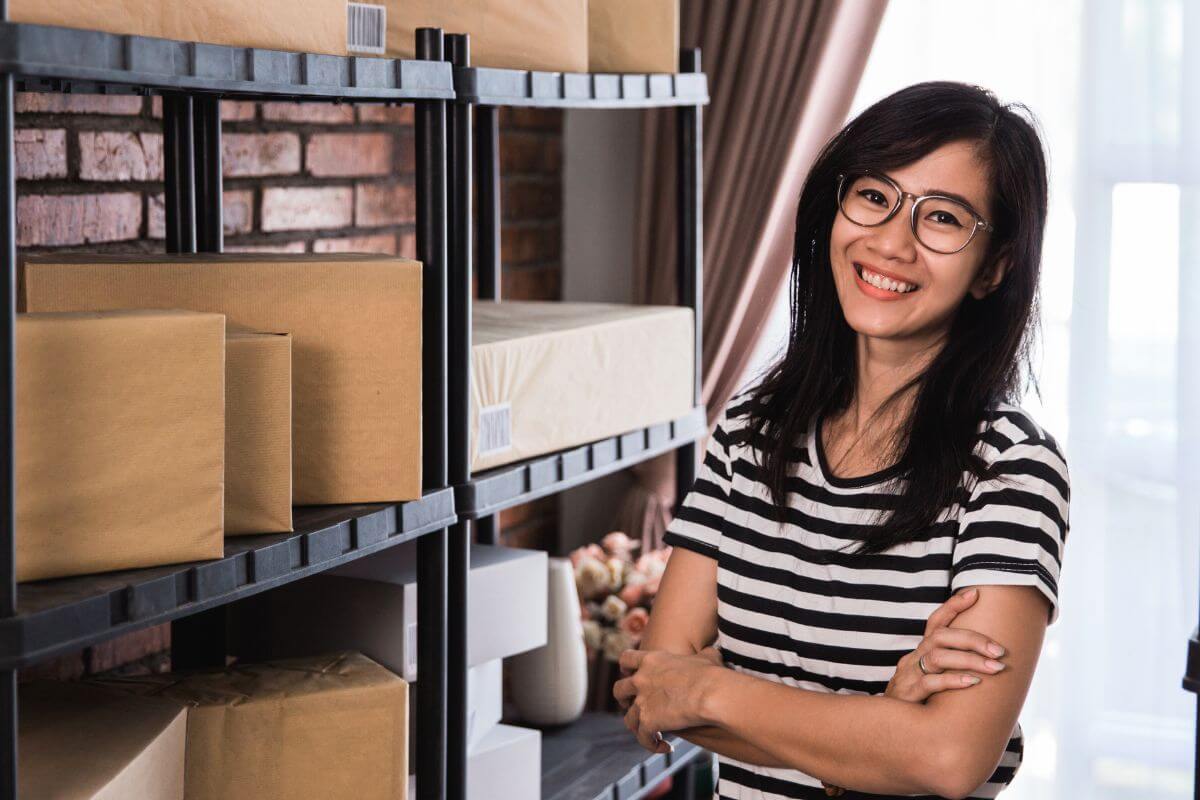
pixel 793 610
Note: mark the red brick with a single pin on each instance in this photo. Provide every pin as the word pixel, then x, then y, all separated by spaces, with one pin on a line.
pixel 407 245
pixel 237 207
pixel 120 156
pixel 522 152
pixel 343 154
pixel 545 119
pixel 407 156
pixel 258 154
pixel 378 243
pixel 379 204
pixel 531 283
pixel 380 113
pixel 546 507
pixel 128 648
pixel 523 244
pixel 328 113
pixel 55 103
pixel 40 153
pixel 304 208
pixel 530 199
pixel 281 247
pixel 78 218
pixel 238 110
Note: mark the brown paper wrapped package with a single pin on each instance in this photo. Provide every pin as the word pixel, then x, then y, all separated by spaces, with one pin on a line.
pixel 258 433
pixel 311 26
pixel 120 430
pixel 80 742
pixel 355 324
pixel 530 34
pixel 329 727
pixel 633 35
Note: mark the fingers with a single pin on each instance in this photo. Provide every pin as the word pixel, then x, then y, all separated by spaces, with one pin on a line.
pixel 966 639
pixel 944 681
pixel 947 611
pixel 630 660
pixel 624 691
pixel 940 659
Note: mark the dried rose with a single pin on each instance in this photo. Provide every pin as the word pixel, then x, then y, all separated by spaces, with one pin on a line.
pixel 593 550
pixel 633 593
pixel 593 634
pixel 592 577
pixel 613 608
pixel 635 621
pixel 618 544
pixel 651 587
pixel 617 642
pixel 617 570
pixel 651 564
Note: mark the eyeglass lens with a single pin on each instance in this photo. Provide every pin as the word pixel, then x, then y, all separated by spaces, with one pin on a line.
pixel 942 225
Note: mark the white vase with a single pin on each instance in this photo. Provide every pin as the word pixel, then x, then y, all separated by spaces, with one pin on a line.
pixel 548 686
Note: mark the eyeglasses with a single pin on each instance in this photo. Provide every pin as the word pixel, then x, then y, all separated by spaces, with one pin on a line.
pixel 941 223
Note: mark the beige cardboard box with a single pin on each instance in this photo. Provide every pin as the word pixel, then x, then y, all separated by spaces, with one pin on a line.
pixel 551 375
pixel 334 726
pixel 355 323
pixel 312 26
pixel 81 742
pixel 633 35
pixel 258 433
pixel 120 457
pixel 511 34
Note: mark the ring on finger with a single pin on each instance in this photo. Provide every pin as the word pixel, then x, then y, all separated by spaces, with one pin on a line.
pixel 921 664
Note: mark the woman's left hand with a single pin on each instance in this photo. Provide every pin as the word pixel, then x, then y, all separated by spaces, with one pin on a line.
pixel 664 692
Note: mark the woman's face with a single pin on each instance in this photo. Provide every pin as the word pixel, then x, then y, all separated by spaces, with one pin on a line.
pixel 941 281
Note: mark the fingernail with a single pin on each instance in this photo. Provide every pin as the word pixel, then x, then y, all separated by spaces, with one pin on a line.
pixel 995 649
pixel 970 593
pixel 970 680
pixel 996 665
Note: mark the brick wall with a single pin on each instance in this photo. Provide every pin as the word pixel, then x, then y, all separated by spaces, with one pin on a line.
pixel 299 178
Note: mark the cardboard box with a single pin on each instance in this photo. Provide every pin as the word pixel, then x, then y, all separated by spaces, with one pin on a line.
pixel 633 35
pixel 269 24
pixel 355 323
pixel 511 34
pixel 88 743
pixel 120 431
pixel 258 433
pixel 370 605
pixel 325 727
pixel 547 376
pixel 506 765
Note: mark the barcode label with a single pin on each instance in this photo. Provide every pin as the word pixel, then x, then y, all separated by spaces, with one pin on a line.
pixel 366 28
pixel 495 429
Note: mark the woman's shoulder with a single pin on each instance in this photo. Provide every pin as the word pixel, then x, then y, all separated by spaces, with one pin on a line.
pixel 1009 432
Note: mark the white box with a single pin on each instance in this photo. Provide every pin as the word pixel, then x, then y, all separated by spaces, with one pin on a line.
pixel 485 700
pixel 506 765
pixel 370 605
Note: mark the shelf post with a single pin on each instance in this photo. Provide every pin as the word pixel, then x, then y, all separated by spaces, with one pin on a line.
pixel 690 155
pixel 487 238
pixel 458 53
pixel 179 181
pixel 432 599
pixel 8 525
pixel 206 118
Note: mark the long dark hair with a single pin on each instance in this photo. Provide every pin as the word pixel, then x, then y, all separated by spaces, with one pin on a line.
pixel 986 355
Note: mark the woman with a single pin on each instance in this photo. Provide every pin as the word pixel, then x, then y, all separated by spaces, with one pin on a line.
pixel 879 469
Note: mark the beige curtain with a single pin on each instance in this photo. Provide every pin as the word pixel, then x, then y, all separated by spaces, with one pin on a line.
pixel 781 75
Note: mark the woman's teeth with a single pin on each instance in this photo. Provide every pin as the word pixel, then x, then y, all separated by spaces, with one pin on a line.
pixel 880 282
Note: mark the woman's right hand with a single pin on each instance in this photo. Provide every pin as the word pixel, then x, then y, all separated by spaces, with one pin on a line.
pixel 955 658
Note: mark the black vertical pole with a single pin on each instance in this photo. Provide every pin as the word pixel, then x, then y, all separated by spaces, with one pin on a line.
pixel 206 116
pixel 487 238
pixel 8 524
pixel 458 52
pixel 179 182
pixel 690 155
pixel 432 599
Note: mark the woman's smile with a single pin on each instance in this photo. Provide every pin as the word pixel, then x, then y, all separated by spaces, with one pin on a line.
pixel 881 285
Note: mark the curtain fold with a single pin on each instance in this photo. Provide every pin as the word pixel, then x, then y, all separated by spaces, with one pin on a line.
pixel 781 77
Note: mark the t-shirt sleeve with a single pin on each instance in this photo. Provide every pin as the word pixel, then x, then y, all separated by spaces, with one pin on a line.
pixel 697 525
pixel 1014 525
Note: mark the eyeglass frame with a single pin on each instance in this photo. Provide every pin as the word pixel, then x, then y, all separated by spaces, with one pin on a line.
pixel 980 222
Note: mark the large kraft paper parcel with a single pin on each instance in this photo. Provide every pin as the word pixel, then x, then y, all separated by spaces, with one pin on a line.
pixel 549 375
pixel 355 325
pixel 258 433
pixel 333 726
pixel 546 35
pixel 81 742
pixel 311 26
pixel 120 432
pixel 633 35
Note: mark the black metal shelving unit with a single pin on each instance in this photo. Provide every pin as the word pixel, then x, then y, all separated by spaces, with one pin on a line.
pixel 628 770
pixel 41 619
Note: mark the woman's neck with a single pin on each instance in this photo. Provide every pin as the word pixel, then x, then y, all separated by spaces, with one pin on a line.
pixel 883 367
